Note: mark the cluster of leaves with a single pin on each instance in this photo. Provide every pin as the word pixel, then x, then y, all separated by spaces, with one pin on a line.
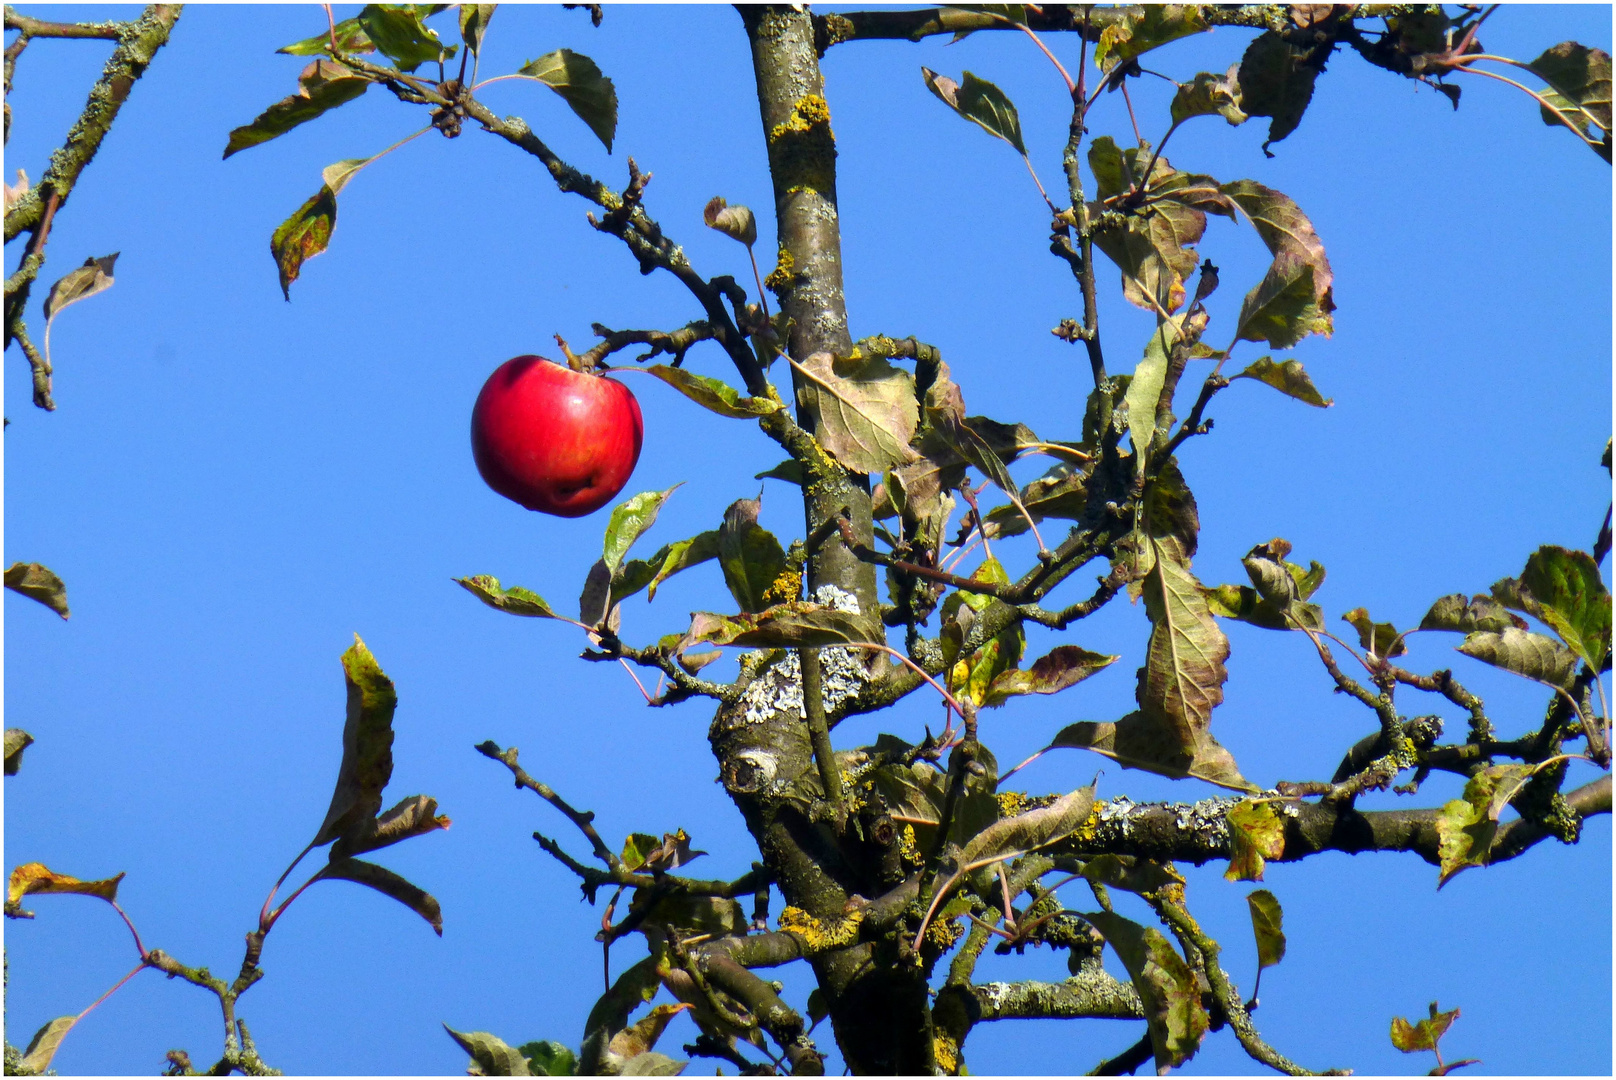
pixel 353 825
pixel 400 34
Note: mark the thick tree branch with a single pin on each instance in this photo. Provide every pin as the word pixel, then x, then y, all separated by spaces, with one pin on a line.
pixel 1173 832
pixel 1095 995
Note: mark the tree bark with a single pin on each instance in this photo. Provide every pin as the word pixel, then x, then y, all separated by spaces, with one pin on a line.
pixel 878 1009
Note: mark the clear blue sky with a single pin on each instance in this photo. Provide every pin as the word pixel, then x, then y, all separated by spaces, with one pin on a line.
pixel 234 485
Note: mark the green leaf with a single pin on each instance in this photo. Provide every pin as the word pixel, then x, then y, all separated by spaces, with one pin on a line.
pixel 1581 77
pixel 1381 639
pixel 473 25
pixel 1145 389
pixel 1151 744
pixel 397 30
pixel 1182 680
pixel 980 102
pixel 1131 873
pixel 367 746
pixel 653 1063
pixel 304 235
pixel 610 1013
pixel 1268 926
pixel 17 740
pixel 1166 985
pixel 1276 81
pixel 350 39
pixel 750 555
pixel 1467 616
pixel 513 601
pixel 1065 665
pixel 1295 297
pixel 1210 95
pixel 38 583
pixel 594 602
pixel 492 1055
pixel 629 521
pixel 682 555
pixel 1244 603
pixel 1466 826
pixel 1154 249
pixel 1284 307
pixel 42 1047
pixel 783 626
pixel 636 849
pixel 1111 174
pixel 1256 834
pixel 635 1042
pixel 549 1058
pixel 1288 378
pixel 1533 656
pixel 715 394
pixel 1144 28
pixel 323 85
pixel 1412 1038
pixel 1571 599
pixel 589 94
pixel 789 471
pixel 390 884
pixel 1011 837
pixel 864 410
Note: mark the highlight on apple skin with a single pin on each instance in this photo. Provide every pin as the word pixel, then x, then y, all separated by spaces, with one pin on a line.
pixel 555 440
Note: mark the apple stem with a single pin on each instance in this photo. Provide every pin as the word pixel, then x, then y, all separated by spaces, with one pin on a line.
pixel 573 361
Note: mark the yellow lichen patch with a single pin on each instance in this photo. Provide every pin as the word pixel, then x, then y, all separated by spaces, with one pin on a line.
pixel 1010 803
pixel 946 1051
pixel 802 147
pixel 816 936
pixel 1085 831
pixel 809 111
pixel 783 274
pixel 944 932
pixel 785 588
pixel 908 850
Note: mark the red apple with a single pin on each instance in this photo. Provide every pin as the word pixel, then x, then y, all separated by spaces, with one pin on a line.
pixel 559 441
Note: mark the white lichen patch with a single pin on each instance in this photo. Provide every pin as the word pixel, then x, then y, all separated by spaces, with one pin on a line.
pixel 841 672
pixel 992 994
pixel 1205 819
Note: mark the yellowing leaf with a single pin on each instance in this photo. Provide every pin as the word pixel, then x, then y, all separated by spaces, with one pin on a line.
pixel 1256 833
pixel 33 878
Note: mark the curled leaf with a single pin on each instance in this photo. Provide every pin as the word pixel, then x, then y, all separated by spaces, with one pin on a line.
pixel 304 235
pixel 35 878
pixel 390 884
pixel 715 395
pixel 735 222
pixel 38 583
pixel 17 740
pixel 513 601
pixel 367 746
